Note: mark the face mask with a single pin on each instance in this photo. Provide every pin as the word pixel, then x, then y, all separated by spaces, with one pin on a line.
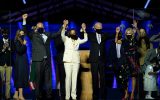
pixel 22 37
pixel 129 37
pixel 40 30
pixel 5 36
pixel 74 37
pixel 99 31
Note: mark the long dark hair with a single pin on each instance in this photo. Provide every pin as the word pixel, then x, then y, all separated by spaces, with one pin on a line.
pixel 147 41
pixel 69 33
pixel 18 36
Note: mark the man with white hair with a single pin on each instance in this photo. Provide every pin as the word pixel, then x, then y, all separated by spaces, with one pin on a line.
pixel 97 59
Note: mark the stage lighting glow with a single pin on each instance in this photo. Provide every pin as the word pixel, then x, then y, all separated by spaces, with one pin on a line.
pixel 147 3
pixel 24 1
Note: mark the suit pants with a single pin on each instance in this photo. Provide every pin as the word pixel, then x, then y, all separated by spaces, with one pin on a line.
pixel 6 73
pixel 98 79
pixel 43 79
pixel 71 70
pixel 61 74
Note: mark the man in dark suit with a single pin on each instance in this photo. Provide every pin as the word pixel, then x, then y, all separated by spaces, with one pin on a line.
pixel 97 59
pixel 59 46
pixel 41 57
pixel 6 60
pixel 116 54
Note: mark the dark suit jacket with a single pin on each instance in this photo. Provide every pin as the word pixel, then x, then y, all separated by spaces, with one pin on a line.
pixel 113 54
pixel 6 57
pixel 59 45
pixel 39 48
pixel 95 47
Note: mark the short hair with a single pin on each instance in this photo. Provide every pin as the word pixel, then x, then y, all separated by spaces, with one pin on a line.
pixel 4 31
pixel 95 24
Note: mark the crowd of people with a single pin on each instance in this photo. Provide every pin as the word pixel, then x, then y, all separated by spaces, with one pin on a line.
pixel 132 57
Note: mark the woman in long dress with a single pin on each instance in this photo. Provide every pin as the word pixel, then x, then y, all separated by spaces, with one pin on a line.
pixel 21 65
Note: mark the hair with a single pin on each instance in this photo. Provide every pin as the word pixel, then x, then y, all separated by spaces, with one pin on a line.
pixel 147 41
pixel 153 60
pixel 18 36
pixel 95 24
pixel 138 36
pixel 129 29
pixel 4 31
pixel 68 34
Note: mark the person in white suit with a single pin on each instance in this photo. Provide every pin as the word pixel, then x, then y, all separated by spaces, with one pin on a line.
pixel 71 58
pixel 150 79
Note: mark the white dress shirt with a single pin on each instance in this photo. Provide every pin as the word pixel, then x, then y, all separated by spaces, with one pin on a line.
pixel 5 40
pixel 44 37
pixel 99 40
pixel 118 49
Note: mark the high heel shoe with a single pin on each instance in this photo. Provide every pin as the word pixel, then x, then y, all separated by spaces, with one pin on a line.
pixel 125 97
pixel 132 97
pixel 15 97
pixel 21 98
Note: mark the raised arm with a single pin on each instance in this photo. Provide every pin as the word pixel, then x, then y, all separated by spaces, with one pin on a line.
pixel 83 30
pixel 64 26
pixel 118 35
pixel 54 35
pixel 24 17
pixel 155 38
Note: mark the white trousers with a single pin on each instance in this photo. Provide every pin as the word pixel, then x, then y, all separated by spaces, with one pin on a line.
pixel 71 70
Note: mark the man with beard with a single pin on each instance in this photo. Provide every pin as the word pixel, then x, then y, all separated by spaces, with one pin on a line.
pixel 6 61
pixel 41 58
pixel 71 58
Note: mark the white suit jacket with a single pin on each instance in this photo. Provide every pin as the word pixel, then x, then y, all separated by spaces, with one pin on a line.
pixel 71 53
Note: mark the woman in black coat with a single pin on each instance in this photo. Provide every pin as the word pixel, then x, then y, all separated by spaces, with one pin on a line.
pixel 21 65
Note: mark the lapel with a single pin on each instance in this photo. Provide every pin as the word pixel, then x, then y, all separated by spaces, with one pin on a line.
pixel 96 39
pixel 102 38
pixel 39 38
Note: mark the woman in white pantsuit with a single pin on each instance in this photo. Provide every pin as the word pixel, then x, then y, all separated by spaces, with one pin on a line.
pixel 71 58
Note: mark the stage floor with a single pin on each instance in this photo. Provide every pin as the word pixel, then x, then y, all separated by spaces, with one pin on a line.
pixel 112 94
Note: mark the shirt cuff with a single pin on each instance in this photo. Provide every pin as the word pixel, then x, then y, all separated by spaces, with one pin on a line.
pixel 24 22
pixel 81 30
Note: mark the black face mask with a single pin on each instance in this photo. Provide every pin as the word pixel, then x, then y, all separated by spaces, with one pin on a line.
pixel 40 30
pixel 99 31
pixel 74 37
pixel 5 36
pixel 129 37
pixel 22 37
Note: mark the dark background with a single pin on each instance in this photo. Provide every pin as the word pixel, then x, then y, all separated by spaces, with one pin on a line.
pixel 79 10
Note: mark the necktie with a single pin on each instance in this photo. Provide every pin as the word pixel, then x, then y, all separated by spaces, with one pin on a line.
pixel 99 38
pixel 99 41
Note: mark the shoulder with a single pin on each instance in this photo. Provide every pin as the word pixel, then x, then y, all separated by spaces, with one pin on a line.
pixel 151 50
pixel 149 67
